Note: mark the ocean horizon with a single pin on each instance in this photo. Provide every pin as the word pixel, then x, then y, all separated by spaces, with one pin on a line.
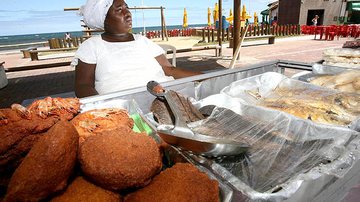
pixel 7 42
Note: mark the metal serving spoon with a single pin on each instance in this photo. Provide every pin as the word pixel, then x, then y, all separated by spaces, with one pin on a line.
pixel 182 136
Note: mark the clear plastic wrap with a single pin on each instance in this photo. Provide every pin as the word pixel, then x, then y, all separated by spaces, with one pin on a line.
pixel 341 79
pixel 342 57
pixel 346 81
pixel 322 69
pixel 304 100
pixel 285 151
pixel 214 85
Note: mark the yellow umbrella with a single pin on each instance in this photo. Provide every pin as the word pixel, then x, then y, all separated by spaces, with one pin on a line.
pixel 209 17
pixel 185 23
pixel 256 19
pixel 243 13
pixel 230 18
pixel 216 13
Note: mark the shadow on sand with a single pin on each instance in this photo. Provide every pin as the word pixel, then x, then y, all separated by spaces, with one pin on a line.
pixel 22 88
pixel 199 63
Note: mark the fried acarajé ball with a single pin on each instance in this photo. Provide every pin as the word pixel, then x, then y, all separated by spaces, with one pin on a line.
pixel 98 120
pixel 119 159
pixel 21 127
pixel 81 190
pixel 181 183
pixel 47 167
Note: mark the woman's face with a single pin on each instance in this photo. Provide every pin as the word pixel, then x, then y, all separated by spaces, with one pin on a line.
pixel 118 18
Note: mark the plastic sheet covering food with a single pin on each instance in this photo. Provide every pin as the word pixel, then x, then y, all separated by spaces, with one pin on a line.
pixel 341 79
pixel 346 81
pixel 214 85
pixel 323 69
pixel 286 152
pixel 318 70
pixel 304 100
pixel 342 57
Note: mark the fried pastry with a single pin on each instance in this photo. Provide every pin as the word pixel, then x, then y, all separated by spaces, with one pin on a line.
pixel 81 190
pixel 119 159
pixel 181 183
pixel 47 167
pixel 98 120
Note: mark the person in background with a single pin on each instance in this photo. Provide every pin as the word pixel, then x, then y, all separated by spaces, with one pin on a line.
pixel 315 20
pixel 117 59
pixel 274 22
pixel 68 39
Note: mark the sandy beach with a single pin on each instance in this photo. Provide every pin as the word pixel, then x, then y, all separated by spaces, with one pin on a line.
pixel 51 81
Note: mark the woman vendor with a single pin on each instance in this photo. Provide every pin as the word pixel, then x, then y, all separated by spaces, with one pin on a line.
pixel 117 59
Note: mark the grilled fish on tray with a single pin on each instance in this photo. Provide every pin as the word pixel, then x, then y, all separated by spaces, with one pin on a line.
pixel 319 106
pixel 163 114
pixel 348 81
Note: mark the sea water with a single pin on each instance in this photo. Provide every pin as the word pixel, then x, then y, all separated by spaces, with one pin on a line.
pixel 18 41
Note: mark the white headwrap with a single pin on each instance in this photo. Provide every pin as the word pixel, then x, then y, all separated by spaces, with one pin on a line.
pixel 94 12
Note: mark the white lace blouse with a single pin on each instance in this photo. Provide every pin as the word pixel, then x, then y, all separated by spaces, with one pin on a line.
pixel 122 65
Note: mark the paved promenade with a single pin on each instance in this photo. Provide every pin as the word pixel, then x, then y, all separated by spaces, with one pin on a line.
pixel 49 81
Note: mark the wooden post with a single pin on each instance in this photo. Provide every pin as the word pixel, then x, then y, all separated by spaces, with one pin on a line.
pixel 227 34
pixel 282 30
pixel 231 32
pixel 223 35
pixel 203 35
pixel 236 23
pixel 236 55
pixel 208 35
pixel 166 34
pixel 264 29
pixel 212 35
pixel 162 23
pixel 220 28
pixel 287 30
pixel 50 43
pixel 60 43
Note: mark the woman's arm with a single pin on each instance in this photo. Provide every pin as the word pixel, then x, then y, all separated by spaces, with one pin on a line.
pixel 85 79
pixel 173 71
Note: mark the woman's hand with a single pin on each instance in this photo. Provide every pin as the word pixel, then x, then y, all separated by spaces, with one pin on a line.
pixel 173 71
pixel 85 79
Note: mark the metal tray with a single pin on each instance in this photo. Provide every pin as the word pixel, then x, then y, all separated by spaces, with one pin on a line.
pixel 264 85
pixel 319 70
pixel 319 188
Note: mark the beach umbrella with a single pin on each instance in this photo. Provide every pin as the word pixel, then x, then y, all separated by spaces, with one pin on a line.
pixel 243 13
pixel 209 17
pixel 256 19
pixel 185 22
pixel 230 18
pixel 216 13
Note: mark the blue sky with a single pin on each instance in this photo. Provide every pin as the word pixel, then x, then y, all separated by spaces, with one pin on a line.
pixel 44 16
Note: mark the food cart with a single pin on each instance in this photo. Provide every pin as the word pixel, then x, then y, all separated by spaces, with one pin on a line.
pixel 325 182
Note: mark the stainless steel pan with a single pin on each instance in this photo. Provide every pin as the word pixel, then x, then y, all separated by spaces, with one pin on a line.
pixel 182 136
